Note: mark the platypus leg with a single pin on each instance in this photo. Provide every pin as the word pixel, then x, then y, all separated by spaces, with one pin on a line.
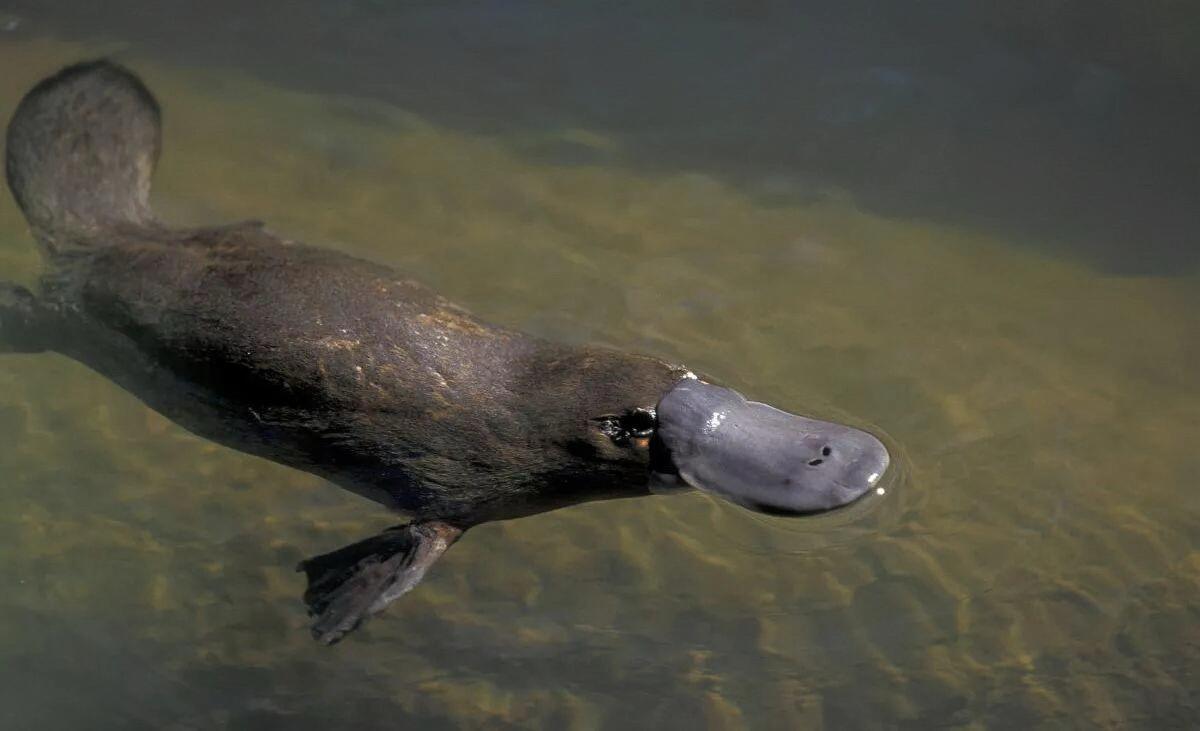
pixel 22 324
pixel 348 585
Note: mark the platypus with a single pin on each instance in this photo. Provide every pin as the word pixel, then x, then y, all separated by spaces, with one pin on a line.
pixel 352 371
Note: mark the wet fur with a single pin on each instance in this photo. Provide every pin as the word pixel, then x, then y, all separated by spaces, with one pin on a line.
pixel 347 369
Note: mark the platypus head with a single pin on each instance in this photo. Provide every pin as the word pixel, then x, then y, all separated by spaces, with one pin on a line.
pixel 711 438
pixel 757 456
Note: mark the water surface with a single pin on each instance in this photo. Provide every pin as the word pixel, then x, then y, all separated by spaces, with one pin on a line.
pixel 1034 563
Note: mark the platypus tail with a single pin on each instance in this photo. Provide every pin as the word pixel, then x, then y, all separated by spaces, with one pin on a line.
pixel 81 148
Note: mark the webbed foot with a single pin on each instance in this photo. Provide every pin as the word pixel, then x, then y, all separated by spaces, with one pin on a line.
pixel 347 586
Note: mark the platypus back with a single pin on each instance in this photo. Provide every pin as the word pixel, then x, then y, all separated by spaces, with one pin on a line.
pixel 81 149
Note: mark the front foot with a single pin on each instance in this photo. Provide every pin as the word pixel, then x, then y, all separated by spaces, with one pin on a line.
pixel 347 586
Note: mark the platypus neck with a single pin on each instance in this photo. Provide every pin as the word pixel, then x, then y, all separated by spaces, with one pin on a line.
pixel 584 383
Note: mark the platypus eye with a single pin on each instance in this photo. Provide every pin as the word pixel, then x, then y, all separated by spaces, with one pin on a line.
pixel 635 423
pixel 639 422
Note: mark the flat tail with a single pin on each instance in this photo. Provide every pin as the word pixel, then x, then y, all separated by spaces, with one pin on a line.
pixel 80 152
pixel 349 585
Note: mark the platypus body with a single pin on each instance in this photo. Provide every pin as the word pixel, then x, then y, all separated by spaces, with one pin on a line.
pixel 349 370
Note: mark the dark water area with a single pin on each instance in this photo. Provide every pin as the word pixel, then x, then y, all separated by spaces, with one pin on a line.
pixel 969 227
pixel 1065 125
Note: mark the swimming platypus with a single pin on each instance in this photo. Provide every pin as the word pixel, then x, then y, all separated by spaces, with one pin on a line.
pixel 349 370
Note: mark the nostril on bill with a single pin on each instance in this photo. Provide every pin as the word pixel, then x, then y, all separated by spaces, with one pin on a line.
pixel 826 451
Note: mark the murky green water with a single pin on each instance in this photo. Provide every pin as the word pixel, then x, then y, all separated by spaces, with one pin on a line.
pixel 1035 562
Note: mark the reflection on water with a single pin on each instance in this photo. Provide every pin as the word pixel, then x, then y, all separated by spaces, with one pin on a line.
pixel 1034 561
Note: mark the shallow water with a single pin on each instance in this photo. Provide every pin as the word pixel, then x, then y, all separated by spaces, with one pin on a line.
pixel 1033 563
